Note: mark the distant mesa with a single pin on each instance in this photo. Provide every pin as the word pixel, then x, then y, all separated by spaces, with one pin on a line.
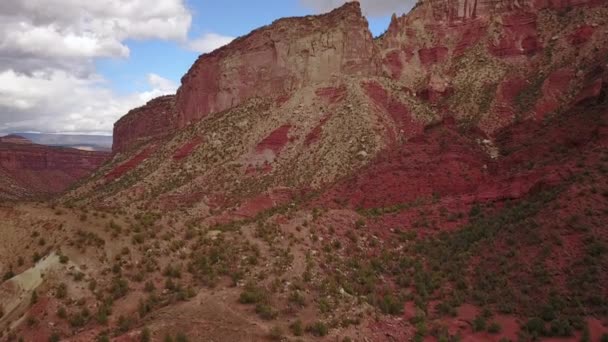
pixel 15 139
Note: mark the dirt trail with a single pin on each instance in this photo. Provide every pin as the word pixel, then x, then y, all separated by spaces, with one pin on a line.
pixel 16 293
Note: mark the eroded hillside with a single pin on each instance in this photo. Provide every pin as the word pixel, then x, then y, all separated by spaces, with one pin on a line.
pixel 445 181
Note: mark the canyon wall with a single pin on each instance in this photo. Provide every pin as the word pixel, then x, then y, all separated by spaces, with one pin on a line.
pixel 43 169
pixel 278 59
pixel 153 120
pixel 447 52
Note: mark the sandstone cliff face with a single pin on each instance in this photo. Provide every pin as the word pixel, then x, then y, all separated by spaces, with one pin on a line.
pixel 439 49
pixel 276 60
pixel 38 169
pixel 491 62
pixel 155 119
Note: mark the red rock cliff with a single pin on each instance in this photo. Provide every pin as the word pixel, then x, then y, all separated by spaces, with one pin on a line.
pixel 278 59
pixel 44 169
pixel 155 119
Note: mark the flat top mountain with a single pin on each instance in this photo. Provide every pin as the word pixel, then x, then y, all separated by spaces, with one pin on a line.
pixel 31 170
pixel 445 181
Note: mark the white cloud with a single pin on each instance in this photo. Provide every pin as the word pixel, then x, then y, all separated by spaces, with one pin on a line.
pixel 53 30
pixel 372 8
pixel 209 42
pixel 58 101
pixel 48 48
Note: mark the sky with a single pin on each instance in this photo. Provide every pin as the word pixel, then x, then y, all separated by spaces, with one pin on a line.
pixel 72 66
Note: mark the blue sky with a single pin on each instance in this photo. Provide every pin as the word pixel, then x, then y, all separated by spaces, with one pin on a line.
pixel 172 60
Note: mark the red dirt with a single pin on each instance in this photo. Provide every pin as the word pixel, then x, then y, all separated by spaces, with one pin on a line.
pixel 332 94
pixel 434 55
pixel 393 62
pixel 187 149
pixel 471 33
pixel 553 89
pixel 314 135
pixel 519 36
pixel 131 164
pixel 582 35
pixel 276 140
pixel 398 111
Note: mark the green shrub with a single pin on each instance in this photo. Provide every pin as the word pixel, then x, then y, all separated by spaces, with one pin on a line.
pixel 62 313
pixel 62 291
pixel 389 304
pixel 8 275
pixel 535 326
pixel 494 328
pixel 276 334
pixel 181 337
pixel 296 328
pixel 265 311
pixel 124 324
pixel 252 295
pixel 562 328
pixel 145 335
pixel 297 298
pixel 479 323
pixel 318 329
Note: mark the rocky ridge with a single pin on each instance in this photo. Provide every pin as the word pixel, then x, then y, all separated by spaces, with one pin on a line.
pixel 29 169
pixel 446 182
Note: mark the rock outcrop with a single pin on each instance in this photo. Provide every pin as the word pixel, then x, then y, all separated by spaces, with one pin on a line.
pixel 32 169
pixel 278 59
pixel 154 120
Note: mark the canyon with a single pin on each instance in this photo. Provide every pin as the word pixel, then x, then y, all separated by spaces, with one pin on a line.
pixel 443 181
pixel 29 170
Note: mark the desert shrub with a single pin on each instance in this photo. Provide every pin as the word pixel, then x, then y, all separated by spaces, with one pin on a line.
pixel 63 259
pixel 36 257
pixel 102 314
pixel 172 272
pixel 253 295
pixel 80 319
pixel 317 329
pixel 103 337
pixel 535 327
pixel 562 328
pixel 145 335
pixel 296 328
pixel 479 323
pixel 181 337
pixel 8 275
pixel 389 304
pixel 31 321
pixel 124 324
pixel 276 334
pixel 149 286
pixel 265 311
pixel 62 291
pixel 494 328
pixel 119 288
pixel 586 337
pixel 297 298
pixel 54 337
pixel 34 298
pixel 78 276
pixel 445 309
